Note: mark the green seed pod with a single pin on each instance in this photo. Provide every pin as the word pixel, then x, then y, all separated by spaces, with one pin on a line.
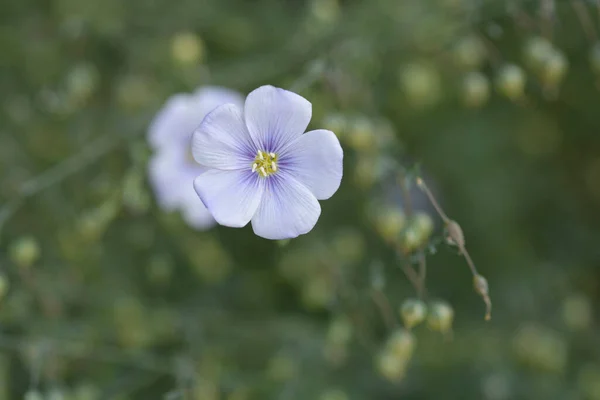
pixel 82 81
pixel 390 367
pixel 440 317
pixel 541 348
pixel 325 11
pixel 475 89
pixel 361 134
pixel 417 232
pixel 510 81
pixel 536 51
pixel 455 236
pixel 554 68
pixel 317 292
pixel 413 312
pixel 422 84
pixel 389 222
pixel 187 48
pixel 25 251
pixel 469 52
pixel 401 344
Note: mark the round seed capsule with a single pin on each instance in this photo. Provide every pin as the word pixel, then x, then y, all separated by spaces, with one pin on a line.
pixel 469 52
pixel 440 317
pixel 475 89
pixel 25 251
pixel 510 81
pixel 401 344
pixel 390 367
pixel 187 48
pixel 537 49
pixel 421 84
pixel 413 312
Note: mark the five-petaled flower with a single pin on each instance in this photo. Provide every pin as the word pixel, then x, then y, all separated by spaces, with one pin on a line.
pixel 172 169
pixel 263 167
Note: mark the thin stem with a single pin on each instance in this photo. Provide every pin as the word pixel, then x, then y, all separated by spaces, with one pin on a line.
pixel 422 274
pixel 58 173
pixel 433 201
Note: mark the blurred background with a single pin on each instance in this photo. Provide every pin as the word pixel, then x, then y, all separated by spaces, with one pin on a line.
pixel 105 294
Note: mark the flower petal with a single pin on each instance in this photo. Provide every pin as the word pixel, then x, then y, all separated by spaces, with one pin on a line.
pixel 275 117
pixel 174 122
pixel 222 140
pixel 232 197
pixel 196 215
pixel 207 98
pixel 315 159
pixel 288 209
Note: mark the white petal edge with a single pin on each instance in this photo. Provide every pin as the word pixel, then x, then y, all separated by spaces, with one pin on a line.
pixel 276 117
pixel 315 159
pixel 222 140
pixel 232 197
pixel 287 210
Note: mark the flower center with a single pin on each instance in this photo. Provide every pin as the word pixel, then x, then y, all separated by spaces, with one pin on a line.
pixel 265 164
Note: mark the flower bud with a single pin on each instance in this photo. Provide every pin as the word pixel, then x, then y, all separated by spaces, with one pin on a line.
pixel 25 251
pixel 187 48
pixel 482 288
pixel 413 312
pixel 440 317
pixel 510 81
pixel 455 236
pixel 475 89
pixel 469 52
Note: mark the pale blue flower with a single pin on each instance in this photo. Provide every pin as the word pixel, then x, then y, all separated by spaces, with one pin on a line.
pixel 263 167
pixel 172 169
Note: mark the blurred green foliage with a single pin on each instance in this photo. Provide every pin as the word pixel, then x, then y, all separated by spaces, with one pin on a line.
pixel 494 103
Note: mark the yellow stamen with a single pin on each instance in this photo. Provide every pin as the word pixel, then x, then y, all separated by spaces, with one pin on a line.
pixel 265 164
